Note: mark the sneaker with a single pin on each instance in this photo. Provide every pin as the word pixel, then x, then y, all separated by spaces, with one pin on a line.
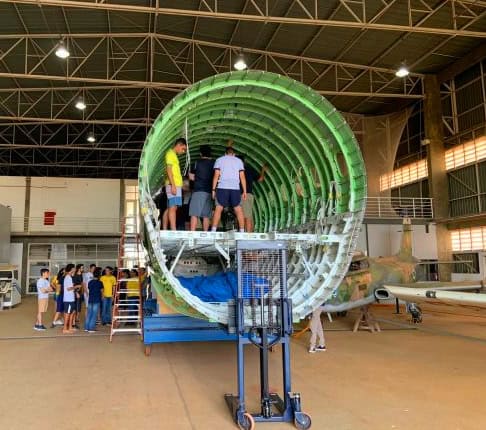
pixel 58 322
pixel 312 350
pixel 43 327
pixel 86 330
pixel 53 325
pixel 321 348
pixel 91 331
pixel 39 327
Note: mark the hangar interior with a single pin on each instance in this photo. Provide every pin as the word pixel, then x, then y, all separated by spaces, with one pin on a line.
pixel 82 84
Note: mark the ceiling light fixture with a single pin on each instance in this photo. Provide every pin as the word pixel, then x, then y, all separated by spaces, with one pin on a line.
pixel 91 137
pixel 80 104
pixel 62 51
pixel 402 71
pixel 240 63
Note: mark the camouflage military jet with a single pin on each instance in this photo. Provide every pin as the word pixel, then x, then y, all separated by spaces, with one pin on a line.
pixel 372 279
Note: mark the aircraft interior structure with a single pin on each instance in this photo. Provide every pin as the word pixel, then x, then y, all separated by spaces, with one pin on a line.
pixel 313 195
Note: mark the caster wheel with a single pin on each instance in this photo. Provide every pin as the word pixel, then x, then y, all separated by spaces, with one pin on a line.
pixel 246 422
pixel 303 421
pixel 148 350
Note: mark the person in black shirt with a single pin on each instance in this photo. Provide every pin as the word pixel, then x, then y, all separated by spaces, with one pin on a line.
pixel 78 291
pixel 201 174
pixel 95 286
pixel 251 176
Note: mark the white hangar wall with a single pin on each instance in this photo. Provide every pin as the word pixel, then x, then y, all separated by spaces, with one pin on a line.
pixel 12 193
pixel 80 205
pixel 384 239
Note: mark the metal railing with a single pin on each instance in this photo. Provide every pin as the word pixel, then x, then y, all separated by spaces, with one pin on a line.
pixel 399 207
pixel 63 225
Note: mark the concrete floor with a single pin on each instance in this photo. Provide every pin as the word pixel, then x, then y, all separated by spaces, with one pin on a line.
pixel 430 378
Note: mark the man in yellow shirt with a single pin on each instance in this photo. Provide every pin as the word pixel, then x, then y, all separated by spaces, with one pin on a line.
pixel 109 283
pixel 173 183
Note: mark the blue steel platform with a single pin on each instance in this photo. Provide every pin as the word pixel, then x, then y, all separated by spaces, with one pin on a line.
pixel 180 328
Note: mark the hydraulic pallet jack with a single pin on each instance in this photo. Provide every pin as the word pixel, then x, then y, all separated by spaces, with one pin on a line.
pixel 262 317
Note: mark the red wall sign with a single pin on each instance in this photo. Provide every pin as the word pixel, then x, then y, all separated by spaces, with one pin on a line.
pixel 49 217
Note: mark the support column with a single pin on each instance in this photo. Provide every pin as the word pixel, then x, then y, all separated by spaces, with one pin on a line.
pixel 438 182
pixel 28 181
pixel 121 212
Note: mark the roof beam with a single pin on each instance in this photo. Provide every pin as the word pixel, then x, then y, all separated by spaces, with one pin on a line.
pixel 203 55
pixel 170 86
pixel 262 15
pixel 463 63
pixel 161 36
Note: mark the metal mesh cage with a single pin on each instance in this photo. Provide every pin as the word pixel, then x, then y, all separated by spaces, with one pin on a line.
pixel 262 282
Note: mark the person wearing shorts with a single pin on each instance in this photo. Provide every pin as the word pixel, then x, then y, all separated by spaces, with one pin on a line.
pixel 69 299
pixel 43 290
pixel 201 174
pixel 251 176
pixel 173 183
pixel 229 173
pixel 58 297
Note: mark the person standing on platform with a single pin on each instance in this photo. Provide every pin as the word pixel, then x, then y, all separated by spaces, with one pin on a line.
pixel 43 290
pixel 229 173
pixel 201 174
pixel 251 176
pixel 109 283
pixel 173 183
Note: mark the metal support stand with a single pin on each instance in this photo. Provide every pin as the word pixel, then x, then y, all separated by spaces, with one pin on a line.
pixel 397 307
pixel 263 318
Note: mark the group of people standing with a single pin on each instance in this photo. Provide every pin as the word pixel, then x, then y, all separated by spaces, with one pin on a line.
pixel 227 180
pixel 73 285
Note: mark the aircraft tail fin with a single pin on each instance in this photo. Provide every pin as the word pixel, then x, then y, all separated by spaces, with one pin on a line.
pixel 405 252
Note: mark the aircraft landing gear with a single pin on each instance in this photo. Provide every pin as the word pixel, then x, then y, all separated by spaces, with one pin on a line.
pixel 415 313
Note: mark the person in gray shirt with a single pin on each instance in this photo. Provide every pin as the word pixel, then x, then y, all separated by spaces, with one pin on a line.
pixel 229 172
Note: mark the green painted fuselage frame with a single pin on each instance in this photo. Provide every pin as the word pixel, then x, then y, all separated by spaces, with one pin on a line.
pixel 312 158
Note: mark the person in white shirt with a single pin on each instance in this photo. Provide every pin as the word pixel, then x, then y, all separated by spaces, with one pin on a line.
pixel 229 173
pixel 87 276
pixel 43 290
pixel 69 299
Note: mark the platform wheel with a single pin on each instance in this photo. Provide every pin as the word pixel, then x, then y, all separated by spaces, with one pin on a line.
pixel 302 421
pixel 246 422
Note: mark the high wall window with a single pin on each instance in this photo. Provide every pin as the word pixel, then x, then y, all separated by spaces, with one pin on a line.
pixel 404 175
pixel 466 165
pixel 132 210
pixel 466 153
pixel 54 256
pixel 133 256
pixel 468 239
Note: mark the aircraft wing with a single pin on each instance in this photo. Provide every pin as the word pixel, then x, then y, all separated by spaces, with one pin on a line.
pixel 448 286
pixel 437 295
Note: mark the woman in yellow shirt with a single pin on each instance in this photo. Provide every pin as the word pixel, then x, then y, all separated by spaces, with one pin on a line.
pixel 133 292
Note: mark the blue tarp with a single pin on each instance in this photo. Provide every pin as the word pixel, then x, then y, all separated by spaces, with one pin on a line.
pixel 222 287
